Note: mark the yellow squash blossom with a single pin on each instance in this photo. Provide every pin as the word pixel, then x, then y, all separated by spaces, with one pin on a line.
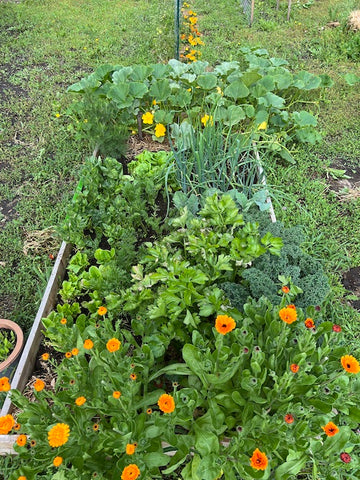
pixel 148 118
pixel 160 130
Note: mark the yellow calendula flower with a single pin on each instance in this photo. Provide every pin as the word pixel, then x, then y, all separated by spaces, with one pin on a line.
pixel 148 118
pixel 192 20
pixel 262 126
pixel 160 130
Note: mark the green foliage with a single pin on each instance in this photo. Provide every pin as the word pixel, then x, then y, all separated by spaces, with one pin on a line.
pixel 232 393
pixel 7 343
pixel 262 277
pixel 111 205
pixel 263 90
pixel 174 286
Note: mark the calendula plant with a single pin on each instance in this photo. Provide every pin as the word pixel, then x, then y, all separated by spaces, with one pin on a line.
pixel 256 95
pixel 268 394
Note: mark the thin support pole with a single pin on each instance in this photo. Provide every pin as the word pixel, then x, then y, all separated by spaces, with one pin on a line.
pixel 177 29
pixel 277 4
pixel 252 12
pixel 289 10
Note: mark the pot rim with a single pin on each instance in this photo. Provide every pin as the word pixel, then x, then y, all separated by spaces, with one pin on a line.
pixel 10 325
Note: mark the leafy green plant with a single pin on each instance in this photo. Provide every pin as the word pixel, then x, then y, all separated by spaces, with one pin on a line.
pixel 262 277
pixel 120 208
pixel 266 394
pixel 254 95
pixel 7 343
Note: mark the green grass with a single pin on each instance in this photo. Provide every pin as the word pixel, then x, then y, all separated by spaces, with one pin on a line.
pixel 47 45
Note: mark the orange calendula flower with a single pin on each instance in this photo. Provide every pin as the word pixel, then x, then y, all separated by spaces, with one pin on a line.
pixel 291 306
pixel 116 394
pixel 224 324
pixel 166 403
pixel 309 323
pixel 259 460
pixel 330 429
pixel 4 384
pixel 57 461
pixel 80 401
pixel 285 289
pixel 21 440
pixel 350 364
pixel 288 315
pixel 102 311
pixel 88 344
pixel 289 418
pixel 17 426
pixel 294 367
pixel 160 130
pixel 113 345
pixel 75 351
pixel 63 321
pixel 58 435
pixel 68 354
pixel 39 385
pixel 133 376
pixel 96 427
pixel 131 472
pixel 6 424
pixel 45 357
pixel 149 411
pixel 33 443
pixel 22 477
pixel 130 448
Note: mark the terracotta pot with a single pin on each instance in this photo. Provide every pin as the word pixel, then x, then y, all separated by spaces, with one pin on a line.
pixel 9 325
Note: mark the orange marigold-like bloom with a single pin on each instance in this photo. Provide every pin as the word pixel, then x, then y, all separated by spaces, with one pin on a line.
pixel 259 460
pixel 116 394
pixel 113 345
pixel 350 364
pixel 6 424
pixel 32 443
pixel 166 403
pixel 80 401
pixel 102 311
pixel 88 344
pixel 149 411
pixel 58 435
pixel 21 440
pixel 96 427
pixel 289 418
pixel 57 461
pixel 330 429
pixel 63 321
pixel 224 324
pixel 294 367
pixel 133 376
pixel 288 315
pixel 160 130
pixel 22 477
pixel 309 323
pixel 68 355
pixel 4 384
pixel 45 357
pixel 131 472
pixel 336 328
pixel 130 448
pixel 17 426
pixel 39 385
pixel 285 289
pixel 75 351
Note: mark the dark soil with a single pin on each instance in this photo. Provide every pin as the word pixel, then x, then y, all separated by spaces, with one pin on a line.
pixel 351 281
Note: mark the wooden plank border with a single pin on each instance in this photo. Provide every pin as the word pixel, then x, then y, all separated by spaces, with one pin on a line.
pixel 29 354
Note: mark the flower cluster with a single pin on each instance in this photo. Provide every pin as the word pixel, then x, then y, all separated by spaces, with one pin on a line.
pixel 190 37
